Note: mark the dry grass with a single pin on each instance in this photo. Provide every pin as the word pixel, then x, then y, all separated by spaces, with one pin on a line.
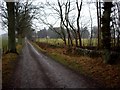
pixel 8 65
pixel 108 75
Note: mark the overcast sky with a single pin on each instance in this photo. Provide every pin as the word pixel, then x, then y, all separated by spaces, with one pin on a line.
pixel 85 17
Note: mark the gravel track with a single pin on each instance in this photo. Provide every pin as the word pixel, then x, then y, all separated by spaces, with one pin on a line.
pixel 36 70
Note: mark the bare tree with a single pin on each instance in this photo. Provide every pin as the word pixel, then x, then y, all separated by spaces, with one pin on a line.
pixel 11 27
pixel 98 21
pixel 98 7
pixel 63 13
pixel 106 30
pixel 56 12
pixel 67 11
pixel 23 18
pixel 75 34
pixel 79 7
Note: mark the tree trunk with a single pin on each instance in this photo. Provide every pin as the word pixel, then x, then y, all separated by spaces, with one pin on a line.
pixel 75 34
pixel 78 30
pixel 11 27
pixel 64 37
pixel 78 17
pixel 106 31
pixel 69 38
pixel 67 10
pixel 98 20
pixel 61 23
pixel 63 33
pixel 100 34
pixel 76 40
pixel 68 32
pixel 79 35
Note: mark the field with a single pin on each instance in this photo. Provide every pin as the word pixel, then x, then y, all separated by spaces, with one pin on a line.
pixel 50 41
pixel 85 42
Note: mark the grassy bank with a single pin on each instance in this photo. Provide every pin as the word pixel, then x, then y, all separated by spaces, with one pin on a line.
pixel 8 65
pixel 105 74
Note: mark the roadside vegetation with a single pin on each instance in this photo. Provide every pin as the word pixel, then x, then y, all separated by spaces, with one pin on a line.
pixel 105 74
pixel 17 19
pixel 9 62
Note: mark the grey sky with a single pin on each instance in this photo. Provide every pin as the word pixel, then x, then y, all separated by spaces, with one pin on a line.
pixel 85 17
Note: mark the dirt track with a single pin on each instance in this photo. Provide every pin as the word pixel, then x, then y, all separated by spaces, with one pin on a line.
pixel 36 70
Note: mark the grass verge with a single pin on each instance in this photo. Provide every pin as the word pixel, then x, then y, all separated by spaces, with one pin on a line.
pixel 64 60
pixel 107 75
pixel 8 65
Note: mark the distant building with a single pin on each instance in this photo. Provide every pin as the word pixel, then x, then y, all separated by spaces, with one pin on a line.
pixel 42 33
pixel 50 33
